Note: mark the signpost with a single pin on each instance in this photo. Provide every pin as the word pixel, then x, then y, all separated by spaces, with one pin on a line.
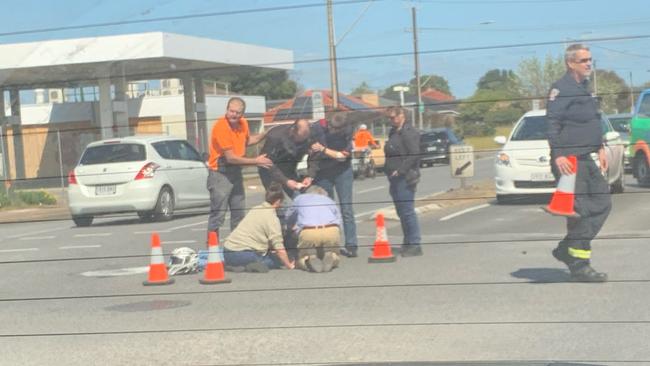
pixel 461 162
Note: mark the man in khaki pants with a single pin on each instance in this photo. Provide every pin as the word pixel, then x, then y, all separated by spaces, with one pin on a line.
pixel 316 220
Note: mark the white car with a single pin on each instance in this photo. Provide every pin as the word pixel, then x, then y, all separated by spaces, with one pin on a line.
pixel 523 164
pixel 150 175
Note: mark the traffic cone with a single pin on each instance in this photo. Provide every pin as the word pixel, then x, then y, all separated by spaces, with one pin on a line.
pixel 214 271
pixel 381 252
pixel 157 269
pixel 563 199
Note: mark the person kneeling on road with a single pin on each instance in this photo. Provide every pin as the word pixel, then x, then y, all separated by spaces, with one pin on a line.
pixel 316 220
pixel 256 244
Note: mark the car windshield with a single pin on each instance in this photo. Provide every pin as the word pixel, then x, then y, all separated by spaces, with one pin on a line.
pixel 620 124
pixel 531 128
pixel 113 153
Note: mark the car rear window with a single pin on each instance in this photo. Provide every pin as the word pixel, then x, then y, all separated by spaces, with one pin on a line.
pixel 433 136
pixel 113 153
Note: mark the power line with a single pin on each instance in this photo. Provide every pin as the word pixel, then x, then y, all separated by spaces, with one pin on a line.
pixel 178 17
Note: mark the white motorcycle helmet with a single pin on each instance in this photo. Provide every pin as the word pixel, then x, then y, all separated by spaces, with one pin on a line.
pixel 183 261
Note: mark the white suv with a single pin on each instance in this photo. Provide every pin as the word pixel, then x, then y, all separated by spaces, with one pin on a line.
pixel 150 175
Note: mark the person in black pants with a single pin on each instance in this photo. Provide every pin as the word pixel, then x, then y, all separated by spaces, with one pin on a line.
pixel 402 168
pixel 575 129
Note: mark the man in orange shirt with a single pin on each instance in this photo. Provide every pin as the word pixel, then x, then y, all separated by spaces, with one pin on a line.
pixel 228 141
pixel 363 138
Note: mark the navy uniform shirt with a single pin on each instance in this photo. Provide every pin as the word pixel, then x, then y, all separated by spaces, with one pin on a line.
pixel 402 150
pixel 574 120
pixel 284 153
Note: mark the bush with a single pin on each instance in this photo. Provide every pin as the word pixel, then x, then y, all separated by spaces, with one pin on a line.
pixel 4 200
pixel 36 198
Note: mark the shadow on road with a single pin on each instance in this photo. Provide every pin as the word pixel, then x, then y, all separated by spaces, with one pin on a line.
pixel 542 275
pixel 134 220
pixel 470 363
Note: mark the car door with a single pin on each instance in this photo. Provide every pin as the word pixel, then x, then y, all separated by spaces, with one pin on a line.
pixel 195 174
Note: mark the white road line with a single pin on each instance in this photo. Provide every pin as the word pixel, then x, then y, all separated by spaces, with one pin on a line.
pixel 37 232
pixel 449 217
pixel 79 247
pixel 179 242
pixel 188 225
pixel 19 250
pixel 201 229
pixel 371 189
pixel 92 235
pixel 150 232
pixel 37 237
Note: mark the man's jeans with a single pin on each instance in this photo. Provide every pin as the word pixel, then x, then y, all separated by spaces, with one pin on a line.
pixel 226 191
pixel 244 257
pixel 343 184
pixel 403 196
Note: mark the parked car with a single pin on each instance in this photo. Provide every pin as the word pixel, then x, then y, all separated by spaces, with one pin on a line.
pixel 640 139
pixel 434 145
pixel 621 124
pixel 523 164
pixel 149 175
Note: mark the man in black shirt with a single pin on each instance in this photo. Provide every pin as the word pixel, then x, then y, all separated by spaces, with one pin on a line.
pixel 575 129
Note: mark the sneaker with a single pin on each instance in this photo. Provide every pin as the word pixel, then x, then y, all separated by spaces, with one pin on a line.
pixel 314 264
pixel 412 251
pixel 349 252
pixel 587 274
pixel 236 269
pixel 257 267
pixel 562 255
pixel 329 261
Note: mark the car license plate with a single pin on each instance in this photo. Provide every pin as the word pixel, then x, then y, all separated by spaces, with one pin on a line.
pixel 432 148
pixel 105 190
pixel 546 176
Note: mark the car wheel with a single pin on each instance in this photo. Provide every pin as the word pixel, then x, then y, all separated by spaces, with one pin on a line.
pixel 164 210
pixel 619 185
pixel 641 170
pixel 82 221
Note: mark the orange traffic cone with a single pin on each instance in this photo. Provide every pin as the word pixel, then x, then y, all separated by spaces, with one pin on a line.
pixel 157 269
pixel 381 252
pixel 563 199
pixel 214 271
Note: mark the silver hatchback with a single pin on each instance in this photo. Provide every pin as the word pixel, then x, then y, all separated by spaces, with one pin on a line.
pixel 149 175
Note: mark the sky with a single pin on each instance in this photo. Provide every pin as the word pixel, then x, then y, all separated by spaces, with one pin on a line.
pixel 458 39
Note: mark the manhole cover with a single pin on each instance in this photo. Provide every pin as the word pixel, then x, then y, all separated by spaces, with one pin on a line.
pixel 149 305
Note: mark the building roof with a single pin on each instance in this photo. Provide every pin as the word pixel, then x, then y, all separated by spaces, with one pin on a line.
pixel 436 95
pixel 142 56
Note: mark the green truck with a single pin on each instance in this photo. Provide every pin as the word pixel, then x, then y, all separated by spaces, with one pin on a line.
pixel 640 139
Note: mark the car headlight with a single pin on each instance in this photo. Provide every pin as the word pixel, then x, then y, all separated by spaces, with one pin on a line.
pixel 503 159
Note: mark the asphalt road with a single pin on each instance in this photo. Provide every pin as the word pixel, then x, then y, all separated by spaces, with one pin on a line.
pixel 487 289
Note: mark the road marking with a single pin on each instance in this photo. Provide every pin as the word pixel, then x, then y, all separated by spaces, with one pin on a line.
pixel 150 232
pixel 371 189
pixel 36 232
pixel 79 247
pixel 116 272
pixel 19 250
pixel 188 225
pixel 202 229
pixel 92 235
pixel 449 217
pixel 37 237
pixel 179 242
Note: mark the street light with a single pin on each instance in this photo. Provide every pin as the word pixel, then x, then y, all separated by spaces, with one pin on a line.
pixel 401 89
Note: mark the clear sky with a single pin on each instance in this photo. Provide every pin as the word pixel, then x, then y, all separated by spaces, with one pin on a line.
pixel 373 28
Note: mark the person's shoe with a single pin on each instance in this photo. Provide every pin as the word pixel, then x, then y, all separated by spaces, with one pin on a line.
pixel 236 269
pixel 562 255
pixel 257 267
pixel 349 252
pixel 329 261
pixel 412 251
pixel 314 264
pixel 585 273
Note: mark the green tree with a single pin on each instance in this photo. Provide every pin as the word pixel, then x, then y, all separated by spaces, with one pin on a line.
pixel 614 93
pixel 273 84
pixel 431 81
pixel 363 88
pixel 535 77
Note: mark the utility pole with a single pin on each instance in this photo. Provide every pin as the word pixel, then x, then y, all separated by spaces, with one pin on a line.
pixel 333 72
pixel 631 94
pixel 417 67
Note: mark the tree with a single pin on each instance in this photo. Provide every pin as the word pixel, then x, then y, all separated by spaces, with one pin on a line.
pixel 431 81
pixel 363 88
pixel 536 78
pixel 273 84
pixel 614 93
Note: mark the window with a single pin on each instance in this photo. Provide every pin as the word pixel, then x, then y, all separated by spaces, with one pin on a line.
pixel 531 128
pixel 177 150
pixel 113 153
pixel 644 107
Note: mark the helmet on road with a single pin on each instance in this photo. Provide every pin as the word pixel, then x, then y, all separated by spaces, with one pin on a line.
pixel 183 261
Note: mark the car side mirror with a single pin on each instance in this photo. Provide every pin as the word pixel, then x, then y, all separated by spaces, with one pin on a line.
pixel 612 135
pixel 501 140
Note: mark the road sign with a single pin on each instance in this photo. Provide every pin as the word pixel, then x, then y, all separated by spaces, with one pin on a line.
pixel 461 161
